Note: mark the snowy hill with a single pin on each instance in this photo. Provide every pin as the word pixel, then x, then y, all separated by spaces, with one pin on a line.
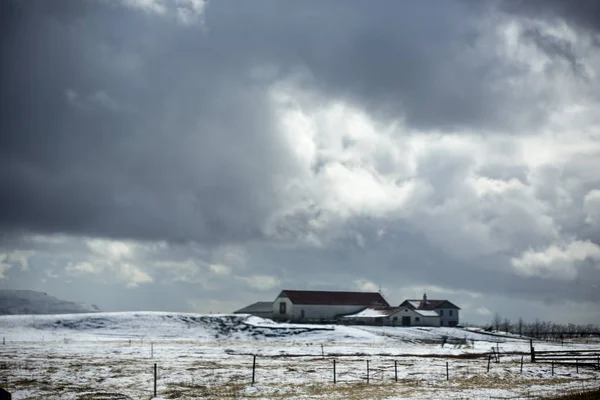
pixel 32 302
pixel 164 325
pixel 228 327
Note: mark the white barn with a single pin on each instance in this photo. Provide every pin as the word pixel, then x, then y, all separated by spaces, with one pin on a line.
pixel 322 306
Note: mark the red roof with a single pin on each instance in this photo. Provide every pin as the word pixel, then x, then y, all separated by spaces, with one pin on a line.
pixel 314 297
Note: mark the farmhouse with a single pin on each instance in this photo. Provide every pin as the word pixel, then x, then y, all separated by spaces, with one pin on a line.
pixel 366 308
pixel 322 306
pixel 393 316
pixel 447 311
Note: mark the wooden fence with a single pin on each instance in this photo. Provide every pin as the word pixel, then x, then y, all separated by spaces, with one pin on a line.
pixel 578 358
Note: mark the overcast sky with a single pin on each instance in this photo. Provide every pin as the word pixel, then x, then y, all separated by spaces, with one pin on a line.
pixel 199 156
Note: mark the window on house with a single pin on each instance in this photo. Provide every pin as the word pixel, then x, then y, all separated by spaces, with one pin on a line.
pixel 302 314
pixel 441 313
pixel 417 319
pixel 450 312
pixel 282 307
pixel 395 319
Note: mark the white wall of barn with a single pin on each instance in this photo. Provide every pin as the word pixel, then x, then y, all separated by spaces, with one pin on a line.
pixel 277 308
pixel 312 311
pixel 294 312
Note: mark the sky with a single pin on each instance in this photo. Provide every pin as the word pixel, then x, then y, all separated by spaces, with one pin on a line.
pixel 199 156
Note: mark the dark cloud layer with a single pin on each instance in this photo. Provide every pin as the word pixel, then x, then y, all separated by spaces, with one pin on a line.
pixel 126 124
pixel 585 14
pixel 117 124
pixel 414 144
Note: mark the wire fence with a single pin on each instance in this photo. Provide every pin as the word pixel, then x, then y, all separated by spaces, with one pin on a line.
pixel 123 370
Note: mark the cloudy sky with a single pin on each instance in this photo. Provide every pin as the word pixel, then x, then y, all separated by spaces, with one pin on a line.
pixel 187 155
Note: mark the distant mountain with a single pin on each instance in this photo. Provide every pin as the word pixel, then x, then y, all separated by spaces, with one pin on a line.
pixel 32 302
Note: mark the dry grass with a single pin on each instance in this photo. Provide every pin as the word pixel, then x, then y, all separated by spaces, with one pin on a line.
pixel 579 395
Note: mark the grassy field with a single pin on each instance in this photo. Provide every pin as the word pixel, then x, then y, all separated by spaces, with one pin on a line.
pixel 112 356
pixel 223 369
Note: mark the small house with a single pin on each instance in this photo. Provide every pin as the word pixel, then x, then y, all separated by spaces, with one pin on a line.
pixel 447 311
pixel 393 316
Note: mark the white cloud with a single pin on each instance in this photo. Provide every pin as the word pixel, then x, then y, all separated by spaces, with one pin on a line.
pixel 133 275
pixel 50 274
pixel 231 255
pixel 261 282
pixel 366 286
pixel 84 268
pixel 556 261
pixel 220 269
pixel 483 311
pixel 591 207
pixel 351 165
pixel 187 270
pixel 187 12
pixel 151 6
pixel 112 250
pixel 212 306
pixel 14 258
pixel 112 259
pixel 190 11
pixel 4 265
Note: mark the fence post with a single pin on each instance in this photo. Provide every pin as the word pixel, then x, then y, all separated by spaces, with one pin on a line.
pixel 577 366
pixel 154 379
pixel 253 368
pixel 447 373
pixel 521 364
pixel 552 368
pixel 334 377
pixel 322 351
pixel 367 371
pixel 532 350
pixel 396 370
pixel 489 361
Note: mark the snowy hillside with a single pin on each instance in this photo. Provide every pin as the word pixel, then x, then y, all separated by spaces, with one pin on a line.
pixel 164 325
pixel 234 327
pixel 32 302
pixel 111 355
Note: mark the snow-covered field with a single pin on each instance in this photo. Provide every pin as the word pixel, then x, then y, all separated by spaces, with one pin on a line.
pixel 112 356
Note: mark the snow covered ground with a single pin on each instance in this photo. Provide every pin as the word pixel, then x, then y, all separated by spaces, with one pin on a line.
pixel 112 356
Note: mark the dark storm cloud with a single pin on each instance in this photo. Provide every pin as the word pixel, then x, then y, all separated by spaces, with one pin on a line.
pixel 555 47
pixel 127 123
pixel 402 59
pixel 581 13
pixel 123 124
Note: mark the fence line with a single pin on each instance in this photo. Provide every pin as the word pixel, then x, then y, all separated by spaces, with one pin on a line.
pixel 203 374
